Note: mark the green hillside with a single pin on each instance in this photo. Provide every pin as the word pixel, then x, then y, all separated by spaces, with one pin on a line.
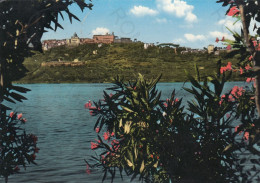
pixel 117 59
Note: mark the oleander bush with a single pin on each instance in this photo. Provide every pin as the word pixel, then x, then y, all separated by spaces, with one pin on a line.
pixel 160 140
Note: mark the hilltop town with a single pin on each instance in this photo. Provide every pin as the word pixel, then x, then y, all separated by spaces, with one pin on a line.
pixel 111 38
pixel 76 41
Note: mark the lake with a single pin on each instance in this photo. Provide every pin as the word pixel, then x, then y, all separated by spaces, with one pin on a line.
pixel 56 114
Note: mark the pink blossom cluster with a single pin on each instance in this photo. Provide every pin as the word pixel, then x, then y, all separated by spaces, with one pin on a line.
pixel 246 134
pixel 226 68
pixel 236 92
pixel 168 102
pixel 115 144
pixel 217 39
pixel 17 116
pixel 234 11
pixel 256 45
pixel 91 108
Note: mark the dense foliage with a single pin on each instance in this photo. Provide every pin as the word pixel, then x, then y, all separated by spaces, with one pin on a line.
pixel 159 140
pixel 22 24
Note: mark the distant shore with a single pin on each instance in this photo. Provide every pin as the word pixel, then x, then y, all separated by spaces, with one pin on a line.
pixel 92 64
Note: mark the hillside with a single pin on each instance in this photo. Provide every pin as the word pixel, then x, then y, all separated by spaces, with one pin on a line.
pixel 117 59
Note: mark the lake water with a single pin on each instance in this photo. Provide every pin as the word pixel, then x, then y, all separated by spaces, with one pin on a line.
pixel 56 114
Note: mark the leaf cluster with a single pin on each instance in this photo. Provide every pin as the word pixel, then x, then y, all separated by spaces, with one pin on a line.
pixel 16 147
pixel 159 141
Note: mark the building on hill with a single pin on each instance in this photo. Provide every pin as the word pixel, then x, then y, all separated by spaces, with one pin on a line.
pixel 147 45
pixel 122 40
pixel 48 44
pixel 106 39
pixel 210 48
pixel 87 41
pixel 74 41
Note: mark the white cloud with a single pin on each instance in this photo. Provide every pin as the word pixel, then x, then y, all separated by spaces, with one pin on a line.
pixel 100 31
pixel 217 34
pixel 193 38
pixel 179 41
pixel 161 20
pixel 178 8
pixel 229 23
pixel 143 11
pixel 191 17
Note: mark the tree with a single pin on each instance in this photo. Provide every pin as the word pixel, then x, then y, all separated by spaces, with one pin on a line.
pixel 22 24
pixel 248 11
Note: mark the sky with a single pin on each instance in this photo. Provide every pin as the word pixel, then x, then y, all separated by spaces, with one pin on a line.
pixel 190 23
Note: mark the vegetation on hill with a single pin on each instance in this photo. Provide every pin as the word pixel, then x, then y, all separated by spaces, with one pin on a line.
pixel 118 59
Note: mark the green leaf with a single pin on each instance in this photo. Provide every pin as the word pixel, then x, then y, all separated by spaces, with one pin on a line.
pixel 8 99
pixel 193 80
pixel 154 82
pixel 20 89
pixel 228 147
pixel 17 96
pixel 127 109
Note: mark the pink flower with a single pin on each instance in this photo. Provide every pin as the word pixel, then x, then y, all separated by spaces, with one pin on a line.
pixel 165 104
pixel 237 91
pixel 217 40
pixel 230 98
pixel 112 134
pixel 106 135
pixel 248 67
pixel 250 58
pixel 93 145
pixel 246 135
pixel 229 66
pixel 229 47
pixel 88 104
pixel 87 169
pixel 97 130
pixel 91 113
pixel 248 80
pixel 241 70
pixel 11 114
pixel 23 120
pixel 223 69
pixel 236 128
pixel 111 95
pixel 233 11
pixel 223 38
pixel 255 43
pixel 19 116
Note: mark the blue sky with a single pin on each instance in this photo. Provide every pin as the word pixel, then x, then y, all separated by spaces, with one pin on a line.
pixel 190 23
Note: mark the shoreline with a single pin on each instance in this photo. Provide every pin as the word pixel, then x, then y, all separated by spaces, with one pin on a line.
pixel 21 83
